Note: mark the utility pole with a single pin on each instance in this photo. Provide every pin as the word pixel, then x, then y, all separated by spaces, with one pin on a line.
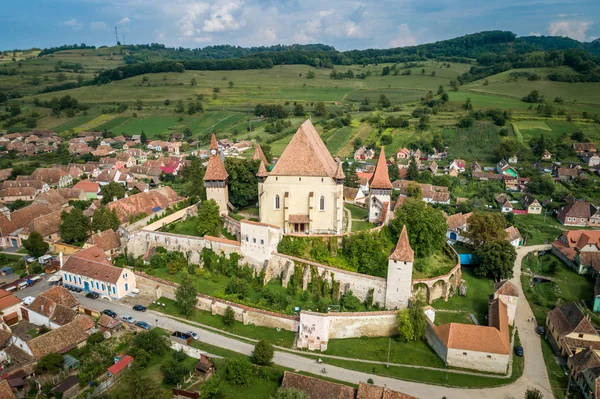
pixel 116 36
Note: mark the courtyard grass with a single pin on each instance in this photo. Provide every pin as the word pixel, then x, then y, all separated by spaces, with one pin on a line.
pixel 357 212
pixel 566 287
pixel 436 264
pixel 361 225
pixel 476 300
pixel 371 348
pixel 280 338
pixel 556 374
pixel 537 229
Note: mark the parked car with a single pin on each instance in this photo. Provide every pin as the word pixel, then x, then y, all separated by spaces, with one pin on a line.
pixel 109 313
pixel 30 259
pixel 92 295
pixel 143 324
pixel 128 319
pixel 541 330
pixel 193 334
pixel 519 351
pixel 139 308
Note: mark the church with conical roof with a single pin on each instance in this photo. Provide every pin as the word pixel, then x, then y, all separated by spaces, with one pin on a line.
pixel 304 192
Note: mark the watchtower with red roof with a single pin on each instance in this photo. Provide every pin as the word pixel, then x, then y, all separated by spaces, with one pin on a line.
pixel 398 288
pixel 380 192
pixel 215 178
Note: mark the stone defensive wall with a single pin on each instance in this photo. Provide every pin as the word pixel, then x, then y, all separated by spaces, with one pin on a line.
pixel 284 266
pixel 440 286
pixel 140 242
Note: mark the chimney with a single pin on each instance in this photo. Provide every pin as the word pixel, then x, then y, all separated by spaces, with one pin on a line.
pixel 114 198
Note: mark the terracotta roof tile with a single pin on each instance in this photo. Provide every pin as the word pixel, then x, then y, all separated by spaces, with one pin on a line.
pixel 568 319
pixel 144 202
pixel 305 155
pixel 5 390
pixel 106 240
pixel 512 233
pixel 8 301
pixel 368 391
pixel 458 220
pixel 87 186
pixel 262 171
pixel 61 339
pixel 403 252
pixel 506 288
pixel 93 263
pixel 215 170
pixel 259 154
pixel 316 388
pixel 381 177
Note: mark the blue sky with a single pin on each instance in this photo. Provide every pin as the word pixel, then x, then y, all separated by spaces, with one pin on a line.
pixel 343 24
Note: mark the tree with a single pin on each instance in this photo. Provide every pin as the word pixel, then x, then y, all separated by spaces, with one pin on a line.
pixel 35 244
pixel 485 227
pixel 193 82
pixel 468 104
pixel 74 227
pixel 496 259
pixel 209 218
pixel 211 389
pixel 228 316
pixel 320 109
pixel 263 353
pixel 393 172
pixel 414 190
pixel 310 75
pixel 243 183
pixel 152 342
pixel 426 226
pixel 413 170
pixel 383 101
pixel 105 219
pixel 193 176
pixel 239 372
pixel 179 108
pixel 289 393
pixel 411 323
pixel 138 385
pixel 506 149
pixel 441 90
pixel 143 138
pixel 185 295
pixel 533 393
pixel 174 370
pixel 350 302
pixel 351 178
pixel 51 363
pixel 406 331
pixel 111 191
pixel 298 110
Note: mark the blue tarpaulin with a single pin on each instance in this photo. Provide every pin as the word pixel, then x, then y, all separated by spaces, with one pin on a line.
pixel 465 259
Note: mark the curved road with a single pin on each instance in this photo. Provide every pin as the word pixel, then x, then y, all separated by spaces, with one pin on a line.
pixel 534 375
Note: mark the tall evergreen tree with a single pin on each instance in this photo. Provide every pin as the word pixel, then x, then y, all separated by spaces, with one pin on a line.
pixel 413 169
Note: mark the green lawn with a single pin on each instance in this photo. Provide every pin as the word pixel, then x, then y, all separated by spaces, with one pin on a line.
pixel 416 353
pixel 357 212
pixel 556 374
pixel 476 142
pixel 360 225
pixel 187 227
pixel 567 286
pixel 476 300
pixel 436 264
pixel 537 229
pixel 442 317
pixel 113 123
pixel 281 338
pixel 152 126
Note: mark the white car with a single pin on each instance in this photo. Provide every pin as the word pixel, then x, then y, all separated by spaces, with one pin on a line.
pixel 128 319
pixel 28 300
pixel 193 334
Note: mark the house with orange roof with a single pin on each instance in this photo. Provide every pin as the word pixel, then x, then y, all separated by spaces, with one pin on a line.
pixel 303 193
pixel 10 308
pixel 91 270
pixel 570 331
pixel 580 249
pixel 380 192
pixel 477 347
pixel 508 293
pixel 90 188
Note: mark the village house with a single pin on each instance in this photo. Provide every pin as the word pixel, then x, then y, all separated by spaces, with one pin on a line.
pixel 513 235
pixel 103 151
pixel 145 171
pixel 54 177
pixel 122 363
pixel 592 159
pixel 431 194
pixel 89 188
pixel 570 331
pixel 458 164
pixel 11 225
pixel 108 176
pixel 363 154
pixel 127 159
pixel 48 226
pixel 10 308
pixel 531 205
pixel 140 156
pixel 584 368
pixel 546 156
pixel 63 339
pixel 560 173
pixel 580 249
pixel 53 308
pixel 508 293
pixel 91 169
pixel 484 348
pixel 579 213
pixel 513 159
pixel 109 241
pixel 584 147
pixel 503 167
pixel 404 153
pixel 204 368
pixel 457 225
pixel 145 203
pixel 91 270
pixel 354 196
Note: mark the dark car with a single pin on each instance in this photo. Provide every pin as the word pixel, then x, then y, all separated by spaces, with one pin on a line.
pixel 110 313
pixel 143 324
pixel 541 330
pixel 519 351
pixel 139 308
pixel 92 295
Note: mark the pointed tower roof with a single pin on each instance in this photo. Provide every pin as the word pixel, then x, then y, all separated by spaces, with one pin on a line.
pixel 305 155
pixel 262 171
pixel 339 173
pixel 259 154
pixel 403 252
pixel 213 142
pixel 381 177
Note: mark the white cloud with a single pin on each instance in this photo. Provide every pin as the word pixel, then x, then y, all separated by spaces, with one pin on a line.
pixel 535 34
pixel 187 23
pixel 124 21
pixel 404 37
pixel 98 25
pixel 73 23
pixel 570 28
pixel 224 16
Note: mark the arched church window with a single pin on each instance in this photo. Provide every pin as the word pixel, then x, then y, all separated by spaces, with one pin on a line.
pixel 322 203
pixel 277 202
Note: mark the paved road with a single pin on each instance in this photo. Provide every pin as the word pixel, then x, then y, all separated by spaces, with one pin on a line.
pixel 535 374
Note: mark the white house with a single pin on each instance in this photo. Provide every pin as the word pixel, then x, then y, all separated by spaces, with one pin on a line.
pixel 52 308
pixel 259 240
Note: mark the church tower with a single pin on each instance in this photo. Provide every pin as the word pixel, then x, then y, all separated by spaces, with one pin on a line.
pixel 380 192
pixel 261 175
pixel 399 276
pixel 215 178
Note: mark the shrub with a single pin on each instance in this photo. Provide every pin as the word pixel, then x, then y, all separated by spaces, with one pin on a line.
pixel 229 316
pixel 239 372
pixel 263 353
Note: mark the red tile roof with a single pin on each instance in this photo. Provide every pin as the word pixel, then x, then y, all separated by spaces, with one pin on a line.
pixel 92 262
pixel 381 177
pixel 120 365
pixel 259 154
pixel 403 252
pixel 88 186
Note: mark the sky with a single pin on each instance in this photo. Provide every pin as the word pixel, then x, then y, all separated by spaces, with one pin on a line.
pixel 341 23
